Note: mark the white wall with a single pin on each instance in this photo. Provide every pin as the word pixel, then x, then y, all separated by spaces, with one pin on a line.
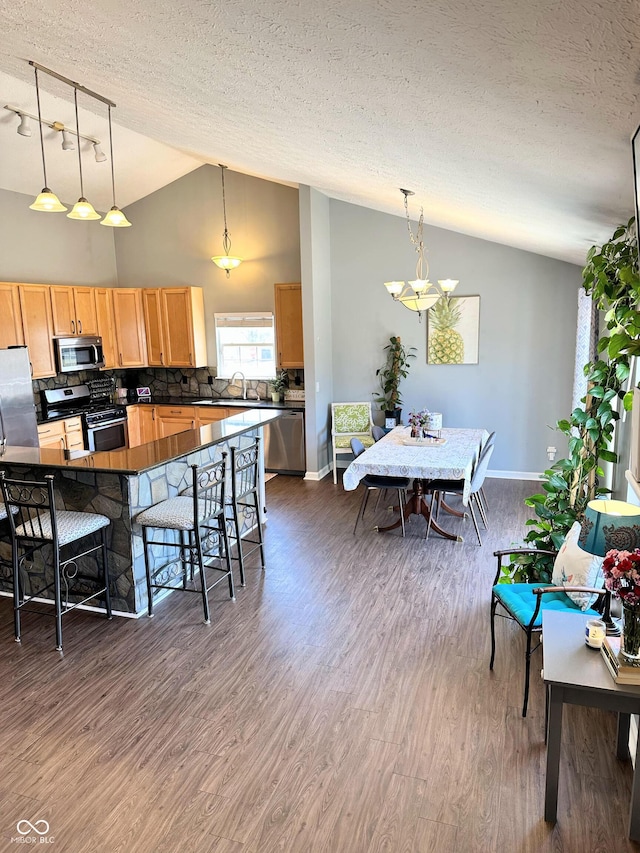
pixel 49 248
pixel 528 309
pixel 315 251
pixel 177 229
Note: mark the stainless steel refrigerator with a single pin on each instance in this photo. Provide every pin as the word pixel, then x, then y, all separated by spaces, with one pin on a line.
pixel 17 409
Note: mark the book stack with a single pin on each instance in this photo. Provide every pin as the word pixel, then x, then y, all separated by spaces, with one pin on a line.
pixel 621 670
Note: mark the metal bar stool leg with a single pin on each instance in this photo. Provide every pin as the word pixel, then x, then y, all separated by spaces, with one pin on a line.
pixel 203 579
pixel 238 538
pixel 105 571
pixel 259 528
pixel 58 595
pixel 147 566
pixel 16 590
pixel 225 552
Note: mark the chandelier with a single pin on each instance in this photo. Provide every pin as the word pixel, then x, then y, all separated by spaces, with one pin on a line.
pixel 421 294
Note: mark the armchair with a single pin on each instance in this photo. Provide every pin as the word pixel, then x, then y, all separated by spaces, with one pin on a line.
pixel 525 602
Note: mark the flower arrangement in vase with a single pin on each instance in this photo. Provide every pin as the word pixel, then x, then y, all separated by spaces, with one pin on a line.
pixel 418 422
pixel 621 571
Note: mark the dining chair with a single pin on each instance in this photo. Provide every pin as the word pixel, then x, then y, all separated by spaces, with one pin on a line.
pixel 524 604
pixel 349 420
pixel 488 443
pixel 378 432
pixel 373 482
pixel 37 525
pixel 438 488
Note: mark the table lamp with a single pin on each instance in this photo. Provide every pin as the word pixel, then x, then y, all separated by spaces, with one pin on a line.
pixel 610 524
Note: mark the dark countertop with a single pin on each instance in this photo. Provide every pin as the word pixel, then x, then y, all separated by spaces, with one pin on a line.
pixel 219 402
pixel 135 460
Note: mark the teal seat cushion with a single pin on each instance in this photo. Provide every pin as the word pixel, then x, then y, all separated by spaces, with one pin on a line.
pixel 519 600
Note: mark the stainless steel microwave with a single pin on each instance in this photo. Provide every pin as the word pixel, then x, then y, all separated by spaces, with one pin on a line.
pixel 73 354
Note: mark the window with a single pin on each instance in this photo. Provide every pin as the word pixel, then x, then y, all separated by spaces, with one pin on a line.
pixel 245 342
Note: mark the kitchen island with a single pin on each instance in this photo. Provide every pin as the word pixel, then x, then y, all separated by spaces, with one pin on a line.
pixel 120 484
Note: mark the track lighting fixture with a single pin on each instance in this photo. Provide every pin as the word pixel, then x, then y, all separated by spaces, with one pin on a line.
pixel 24 128
pixel 48 201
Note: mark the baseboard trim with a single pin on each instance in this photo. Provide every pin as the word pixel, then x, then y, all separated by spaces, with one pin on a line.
pixel 514 475
pixel 316 476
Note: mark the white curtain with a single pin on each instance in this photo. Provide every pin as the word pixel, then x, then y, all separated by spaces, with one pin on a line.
pixel 586 341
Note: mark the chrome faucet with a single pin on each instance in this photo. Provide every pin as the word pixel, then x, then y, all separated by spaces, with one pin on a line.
pixel 244 383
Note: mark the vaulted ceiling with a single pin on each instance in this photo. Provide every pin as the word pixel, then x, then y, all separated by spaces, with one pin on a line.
pixel 510 121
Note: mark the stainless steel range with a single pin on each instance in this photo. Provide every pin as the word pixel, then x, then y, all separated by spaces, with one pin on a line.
pixel 104 423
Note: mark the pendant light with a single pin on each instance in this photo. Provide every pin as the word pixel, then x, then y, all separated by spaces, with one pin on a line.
pixel 46 201
pixel 227 261
pixel 82 209
pixel 115 218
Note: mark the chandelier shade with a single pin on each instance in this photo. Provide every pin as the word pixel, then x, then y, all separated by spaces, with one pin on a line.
pixel 227 261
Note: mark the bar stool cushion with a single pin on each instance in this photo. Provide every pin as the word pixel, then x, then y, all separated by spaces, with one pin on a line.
pixel 71 526
pixel 175 513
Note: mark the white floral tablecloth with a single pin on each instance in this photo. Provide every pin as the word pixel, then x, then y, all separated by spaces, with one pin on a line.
pixel 389 457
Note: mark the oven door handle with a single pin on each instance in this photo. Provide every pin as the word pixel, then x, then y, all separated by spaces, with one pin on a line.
pixel 107 423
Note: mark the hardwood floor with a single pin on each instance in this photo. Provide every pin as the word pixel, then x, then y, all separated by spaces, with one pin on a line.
pixel 343 704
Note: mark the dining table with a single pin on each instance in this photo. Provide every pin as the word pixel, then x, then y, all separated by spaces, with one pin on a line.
pixel 450 455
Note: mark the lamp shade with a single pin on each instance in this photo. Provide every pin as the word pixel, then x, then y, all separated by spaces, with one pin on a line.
pixel 83 209
pixel 115 218
pixel 226 262
pixel 610 524
pixel 47 202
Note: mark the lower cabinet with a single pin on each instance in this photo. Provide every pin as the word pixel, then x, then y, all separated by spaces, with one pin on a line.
pixel 173 419
pixel 63 435
pixel 209 415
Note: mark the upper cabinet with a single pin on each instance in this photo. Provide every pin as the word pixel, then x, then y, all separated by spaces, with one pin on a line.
pixel 288 317
pixel 37 325
pixel 11 323
pixel 106 325
pixel 175 327
pixel 74 310
pixel 129 327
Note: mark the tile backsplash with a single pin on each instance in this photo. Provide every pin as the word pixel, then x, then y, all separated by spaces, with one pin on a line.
pixel 172 381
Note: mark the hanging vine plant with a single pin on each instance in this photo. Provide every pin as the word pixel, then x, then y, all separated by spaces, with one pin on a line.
pixel 612 278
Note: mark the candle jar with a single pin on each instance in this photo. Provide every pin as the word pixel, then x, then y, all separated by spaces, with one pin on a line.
pixel 594 633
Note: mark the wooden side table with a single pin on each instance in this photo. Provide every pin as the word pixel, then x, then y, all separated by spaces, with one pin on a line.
pixel 577 675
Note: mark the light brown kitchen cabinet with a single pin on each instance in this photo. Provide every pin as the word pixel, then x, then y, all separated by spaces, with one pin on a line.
pixel 288 319
pixel 106 325
pixel 74 310
pixel 129 327
pixel 175 326
pixel 37 325
pixel 211 414
pixel 10 316
pixel 141 424
pixel 173 419
pixel 63 435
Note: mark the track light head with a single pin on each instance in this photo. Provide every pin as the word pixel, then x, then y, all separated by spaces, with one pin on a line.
pixel 67 141
pixel 98 153
pixel 24 128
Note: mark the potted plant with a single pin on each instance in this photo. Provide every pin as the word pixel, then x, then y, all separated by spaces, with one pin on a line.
pixel 279 385
pixel 391 374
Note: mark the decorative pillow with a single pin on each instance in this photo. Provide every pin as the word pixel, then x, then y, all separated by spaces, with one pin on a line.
pixel 575 567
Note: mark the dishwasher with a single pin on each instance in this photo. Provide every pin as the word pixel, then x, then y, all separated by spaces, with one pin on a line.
pixel 284 444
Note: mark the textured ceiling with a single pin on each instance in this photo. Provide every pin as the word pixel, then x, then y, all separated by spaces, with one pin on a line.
pixel 510 121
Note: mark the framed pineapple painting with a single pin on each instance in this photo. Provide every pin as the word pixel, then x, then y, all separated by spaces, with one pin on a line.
pixel 453 329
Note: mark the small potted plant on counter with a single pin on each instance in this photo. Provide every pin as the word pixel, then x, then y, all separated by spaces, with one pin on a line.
pixel 279 386
pixel 396 368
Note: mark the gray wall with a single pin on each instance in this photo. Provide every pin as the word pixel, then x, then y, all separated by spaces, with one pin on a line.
pixel 528 309
pixel 315 251
pixel 48 248
pixel 177 229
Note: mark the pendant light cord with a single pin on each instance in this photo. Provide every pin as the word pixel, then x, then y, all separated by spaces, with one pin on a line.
pixel 226 242
pixel 44 166
pixel 75 99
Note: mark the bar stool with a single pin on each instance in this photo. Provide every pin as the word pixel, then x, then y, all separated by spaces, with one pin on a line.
pixel 35 522
pixel 201 516
pixel 244 496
